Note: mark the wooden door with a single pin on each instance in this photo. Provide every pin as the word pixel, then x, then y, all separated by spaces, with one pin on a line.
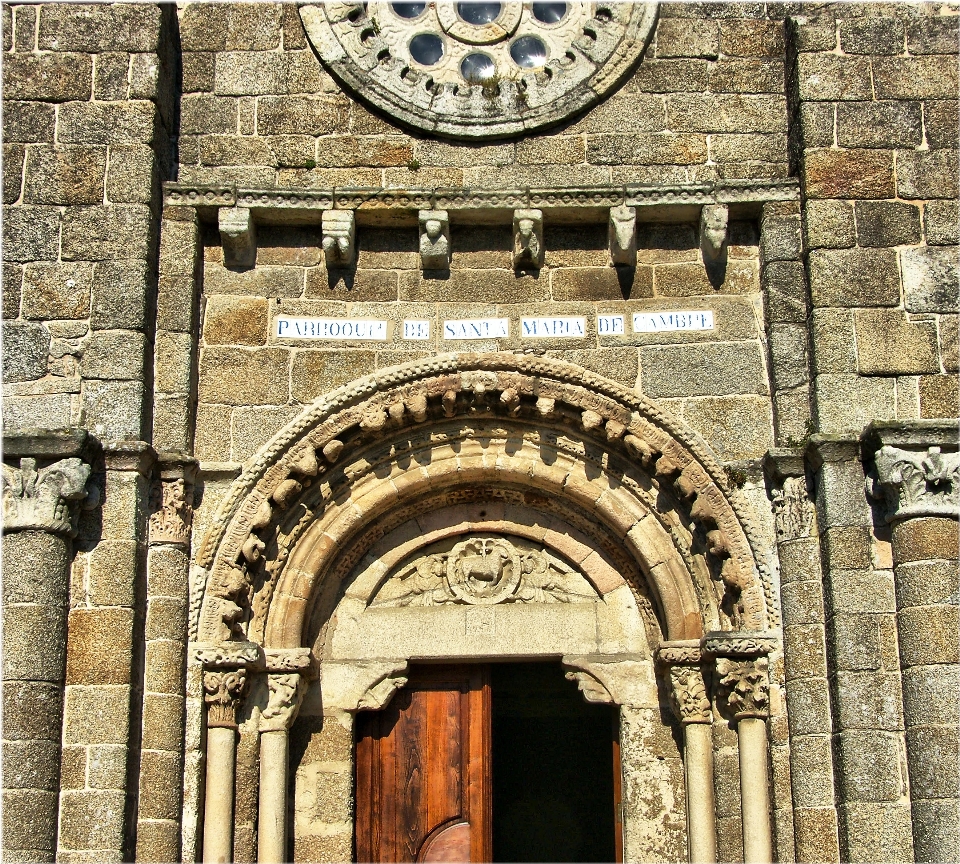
pixel 423 770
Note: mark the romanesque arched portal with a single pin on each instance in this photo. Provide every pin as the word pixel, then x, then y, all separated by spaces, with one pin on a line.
pixel 571 491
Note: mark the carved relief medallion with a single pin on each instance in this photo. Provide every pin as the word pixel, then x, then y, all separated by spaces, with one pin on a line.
pixel 482 571
pixel 480 70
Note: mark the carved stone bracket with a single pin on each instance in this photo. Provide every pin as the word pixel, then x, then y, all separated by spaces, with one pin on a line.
pixel 45 499
pixel 602 680
pixel 793 507
pixel 339 231
pixel 623 236
pixel 172 501
pixel 713 230
pixel 435 246
pixel 745 685
pixel 238 234
pixel 528 238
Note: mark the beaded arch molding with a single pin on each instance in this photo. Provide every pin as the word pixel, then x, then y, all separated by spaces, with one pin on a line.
pixel 325 459
pixel 447 69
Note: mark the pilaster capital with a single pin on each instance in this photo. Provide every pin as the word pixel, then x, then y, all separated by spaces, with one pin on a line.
pixel 171 516
pixel 48 498
pixel 916 468
pixel 745 685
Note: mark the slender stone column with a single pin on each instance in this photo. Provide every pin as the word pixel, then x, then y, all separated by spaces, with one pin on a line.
pixel 691 704
pixel 40 510
pixel 225 682
pixel 917 483
pixel 747 686
pixel 285 693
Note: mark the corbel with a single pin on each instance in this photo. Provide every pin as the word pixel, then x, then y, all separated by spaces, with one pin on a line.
pixel 623 236
pixel 713 231
pixel 434 240
pixel 238 234
pixel 339 234
pixel 527 238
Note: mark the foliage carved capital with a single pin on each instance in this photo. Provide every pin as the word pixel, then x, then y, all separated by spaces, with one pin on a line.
pixel 45 499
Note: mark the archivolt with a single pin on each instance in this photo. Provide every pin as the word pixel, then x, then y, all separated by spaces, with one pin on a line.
pixel 572 453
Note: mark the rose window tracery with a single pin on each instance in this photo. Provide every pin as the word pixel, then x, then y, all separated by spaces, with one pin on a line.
pixel 479 69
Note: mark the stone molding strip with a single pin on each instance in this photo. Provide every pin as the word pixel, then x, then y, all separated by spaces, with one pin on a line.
pixel 281 204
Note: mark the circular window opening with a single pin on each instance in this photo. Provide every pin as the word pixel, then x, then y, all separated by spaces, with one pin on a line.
pixel 479 13
pixel 477 68
pixel 426 49
pixel 409 10
pixel 528 52
pixel 547 13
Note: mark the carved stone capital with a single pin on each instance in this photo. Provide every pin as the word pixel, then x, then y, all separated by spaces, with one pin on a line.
pixel 688 695
pixel 222 691
pixel 45 499
pixel 285 695
pixel 745 685
pixel 917 482
pixel 793 507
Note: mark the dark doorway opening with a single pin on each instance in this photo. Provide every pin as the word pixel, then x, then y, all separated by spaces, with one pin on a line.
pixel 554 758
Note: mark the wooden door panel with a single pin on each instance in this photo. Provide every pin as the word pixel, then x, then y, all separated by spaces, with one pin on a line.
pixel 423 790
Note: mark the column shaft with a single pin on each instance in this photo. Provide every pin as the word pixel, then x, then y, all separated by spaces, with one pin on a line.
pixel 754 790
pixel 218 805
pixel 698 778
pixel 272 837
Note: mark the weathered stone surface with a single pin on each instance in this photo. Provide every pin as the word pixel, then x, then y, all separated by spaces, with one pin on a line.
pixel 939 396
pixel 941 222
pixel 254 427
pixel 93 28
pixel 855 277
pixel 929 174
pixel 107 233
pixel 848 402
pixel 887 223
pixel 701 370
pixel 930 279
pixel 56 290
pixel 92 819
pixel 28 122
pixel 25 349
pixel 132 176
pixel 47 77
pixel 230 27
pixel 235 320
pixel 738 427
pixel 830 77
pixel 30 233
pixel 915 77
pixel 119 293
pixel 680 37
pixel 940 120
pixel 871 36
pixel 114 355
pixel 829 224
pixel 849 174
pixel 237 376
pixel 916 343
pixel 316 372
pixel 114 409
pixel 130 122
pixel 726 113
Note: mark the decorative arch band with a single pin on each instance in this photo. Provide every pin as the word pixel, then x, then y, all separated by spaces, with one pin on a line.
pixel 570 452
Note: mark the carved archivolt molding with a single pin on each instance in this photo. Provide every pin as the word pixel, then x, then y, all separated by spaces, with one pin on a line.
pixel 917 483
pixel 45 499
pixel 479 79
pixel 368 456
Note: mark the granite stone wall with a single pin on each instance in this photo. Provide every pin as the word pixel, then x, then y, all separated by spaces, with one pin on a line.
pixel 836 305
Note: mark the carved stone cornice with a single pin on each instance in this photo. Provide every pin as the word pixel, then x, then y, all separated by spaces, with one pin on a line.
pixel 745 685
pixel 171 516
pixel 916 468
pixel 45 499
pixel 285 695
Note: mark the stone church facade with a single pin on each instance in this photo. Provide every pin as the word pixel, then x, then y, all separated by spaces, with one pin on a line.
pixel 343 341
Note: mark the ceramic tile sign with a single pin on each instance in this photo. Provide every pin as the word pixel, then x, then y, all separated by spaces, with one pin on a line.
pixel 553 328
pixel 610 325
pixel 477 328
pixel 416 329
pixel 661 322
pixel 365 329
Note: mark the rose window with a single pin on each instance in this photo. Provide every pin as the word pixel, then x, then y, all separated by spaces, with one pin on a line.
pixel 479 69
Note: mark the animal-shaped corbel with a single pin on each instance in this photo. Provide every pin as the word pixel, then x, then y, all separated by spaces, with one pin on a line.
pixel 623 236
pixel 434 240
pixel 713 231
pixel 527 238
pixel 339 231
